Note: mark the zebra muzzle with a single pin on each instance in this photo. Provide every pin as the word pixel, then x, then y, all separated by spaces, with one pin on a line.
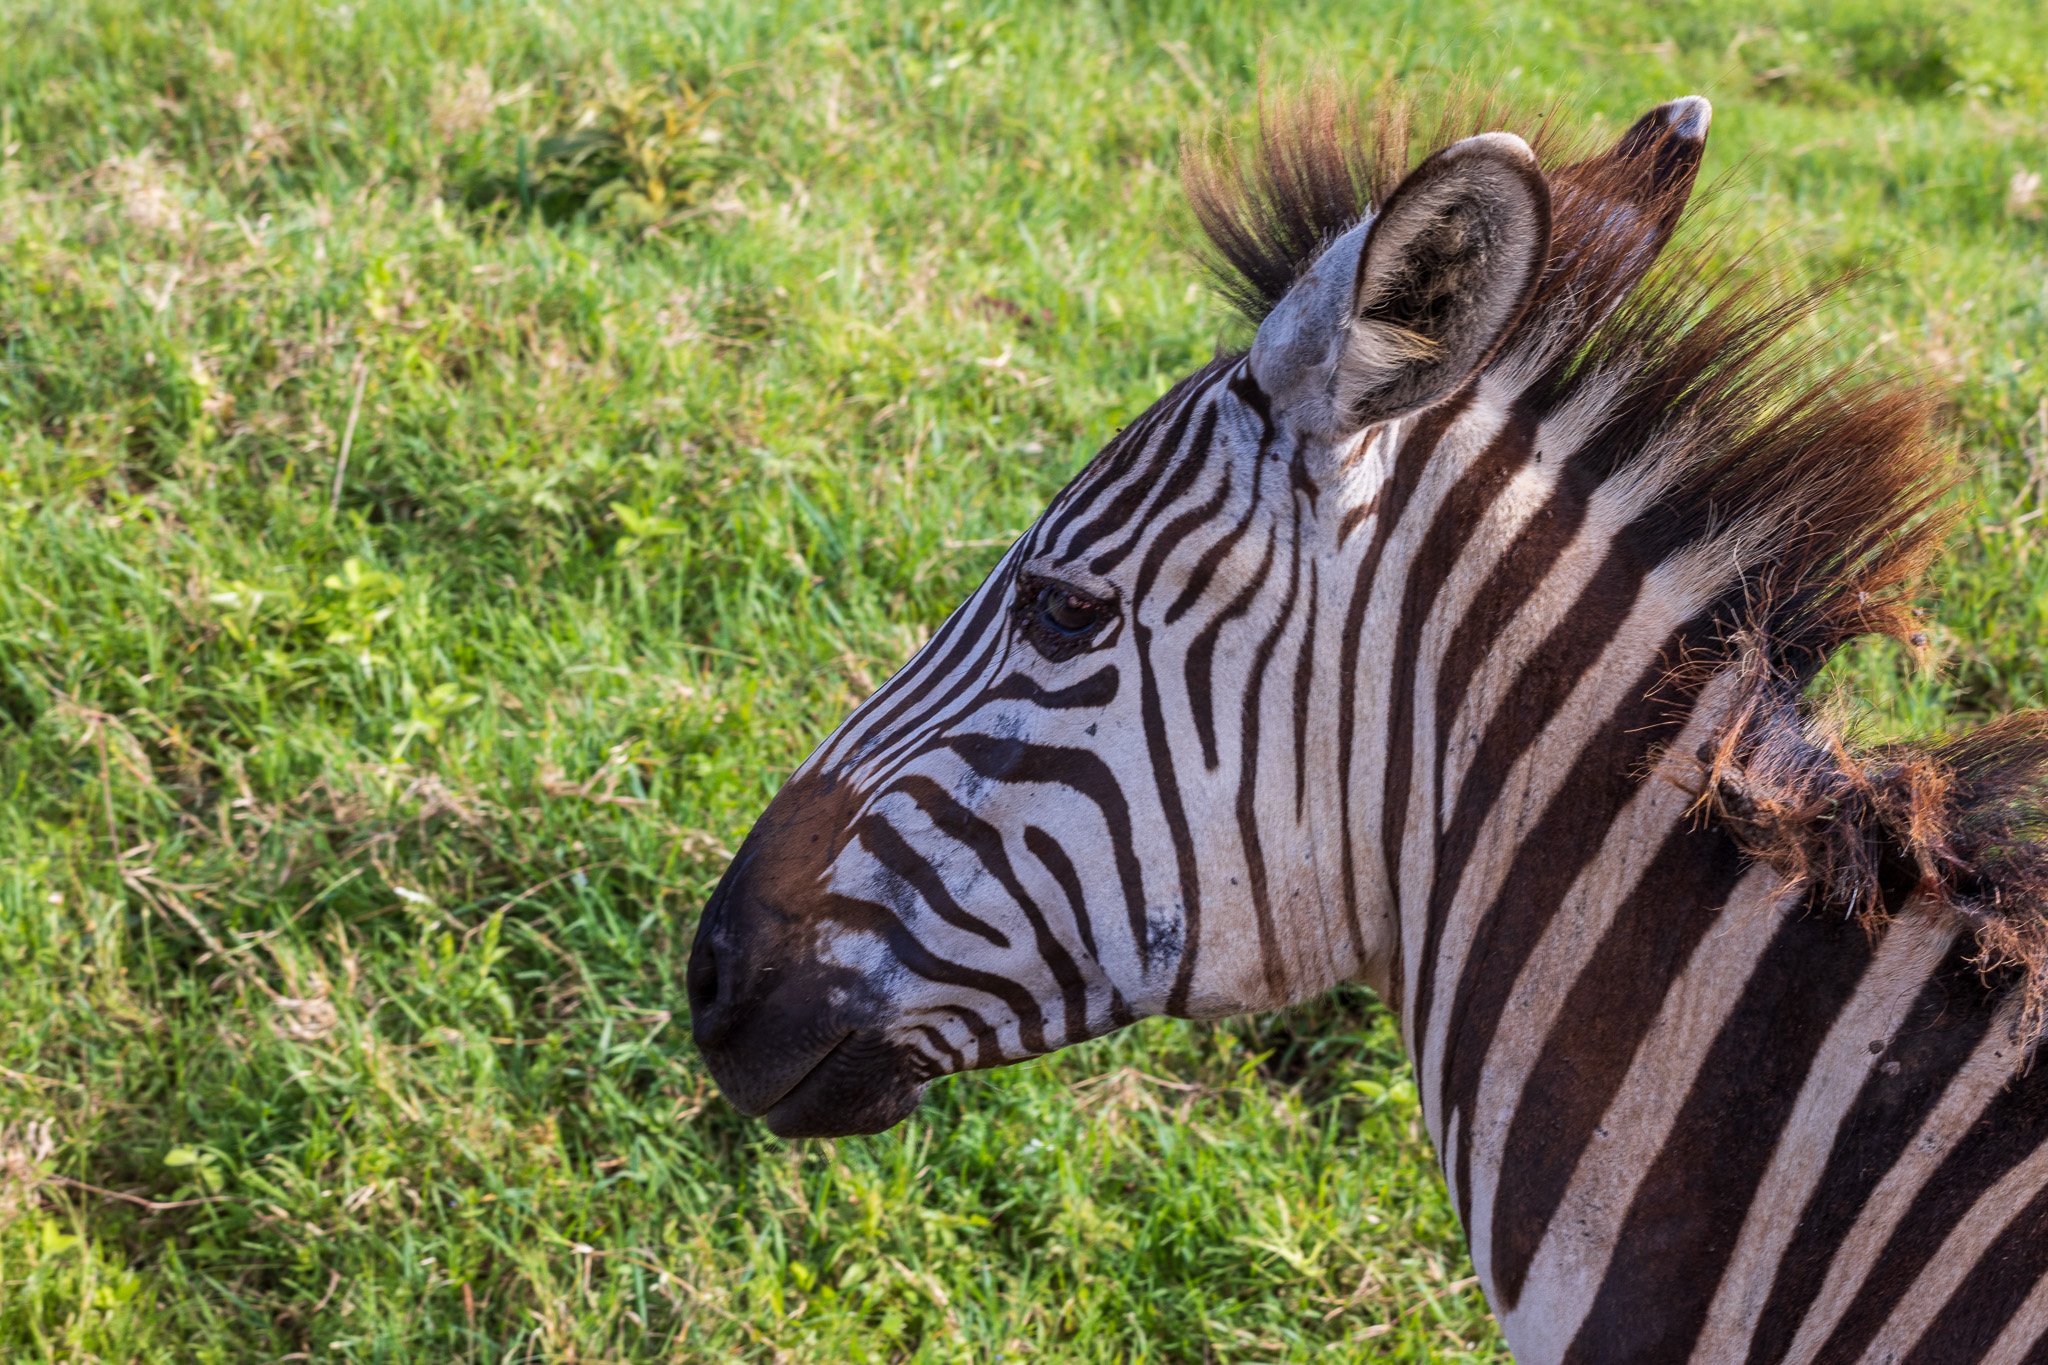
pixel 789 1038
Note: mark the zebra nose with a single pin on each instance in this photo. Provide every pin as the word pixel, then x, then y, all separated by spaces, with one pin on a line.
pixel 709 989
pixel 713 974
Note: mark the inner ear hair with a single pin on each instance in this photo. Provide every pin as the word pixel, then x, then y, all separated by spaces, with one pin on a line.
pixel 1448 265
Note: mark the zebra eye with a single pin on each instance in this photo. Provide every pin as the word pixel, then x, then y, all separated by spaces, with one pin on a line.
pixel 1062 610
pixel 1058 619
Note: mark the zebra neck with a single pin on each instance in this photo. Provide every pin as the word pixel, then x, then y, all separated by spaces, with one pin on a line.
pixel 1581 840
pixel 1656 1076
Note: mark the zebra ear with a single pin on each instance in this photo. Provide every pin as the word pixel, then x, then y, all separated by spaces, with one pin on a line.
pixel 1446 267
pixel 1614 212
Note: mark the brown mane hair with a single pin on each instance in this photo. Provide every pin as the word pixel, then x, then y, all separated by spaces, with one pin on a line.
pixel 1714 394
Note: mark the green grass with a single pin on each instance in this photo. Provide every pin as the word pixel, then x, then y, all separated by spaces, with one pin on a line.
pixel 350 846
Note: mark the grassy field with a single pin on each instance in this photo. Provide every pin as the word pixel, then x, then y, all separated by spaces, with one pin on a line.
pixel 460 455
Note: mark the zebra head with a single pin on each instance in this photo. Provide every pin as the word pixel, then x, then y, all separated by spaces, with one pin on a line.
pixel 1117 781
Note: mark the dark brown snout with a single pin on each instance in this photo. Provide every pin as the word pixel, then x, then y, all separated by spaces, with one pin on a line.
pixel 789 1037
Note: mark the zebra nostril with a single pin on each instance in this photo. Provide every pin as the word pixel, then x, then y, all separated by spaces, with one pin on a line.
pixel 703 978
pixel 700 983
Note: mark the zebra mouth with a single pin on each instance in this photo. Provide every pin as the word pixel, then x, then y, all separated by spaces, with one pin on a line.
pixel 861 1084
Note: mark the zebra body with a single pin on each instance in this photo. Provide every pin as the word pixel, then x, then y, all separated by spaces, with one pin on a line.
pixel 1409 647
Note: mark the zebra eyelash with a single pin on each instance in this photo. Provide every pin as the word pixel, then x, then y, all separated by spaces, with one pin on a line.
pixel 1059 619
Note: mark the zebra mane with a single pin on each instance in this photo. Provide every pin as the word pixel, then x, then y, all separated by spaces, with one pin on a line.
pixel 1825 483
pixel 1318 165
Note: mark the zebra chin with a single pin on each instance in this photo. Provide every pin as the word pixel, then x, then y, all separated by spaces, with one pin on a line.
pixel 803 1085
pixel 865 1084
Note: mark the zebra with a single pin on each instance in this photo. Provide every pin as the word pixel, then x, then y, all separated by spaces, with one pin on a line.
pixel 1454 638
